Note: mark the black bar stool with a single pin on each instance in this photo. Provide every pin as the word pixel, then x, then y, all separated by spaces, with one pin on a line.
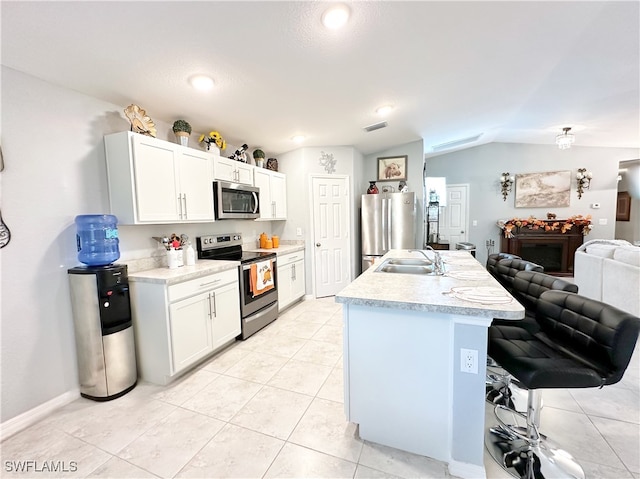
pixel 581 343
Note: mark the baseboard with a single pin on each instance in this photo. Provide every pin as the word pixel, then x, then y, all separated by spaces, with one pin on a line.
pixel 466 470
pixel 309 297
pixel 26 419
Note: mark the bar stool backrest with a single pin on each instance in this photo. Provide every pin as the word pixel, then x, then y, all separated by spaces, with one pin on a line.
pixel 596 334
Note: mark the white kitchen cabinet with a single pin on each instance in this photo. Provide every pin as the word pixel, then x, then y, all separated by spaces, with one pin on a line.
pixel 178 325
pixel 156 181
pixel 273 194
pixel 226 169
pixel 291 279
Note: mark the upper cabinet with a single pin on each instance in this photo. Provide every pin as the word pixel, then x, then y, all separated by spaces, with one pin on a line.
pixel 226 169
pixel 273 194
pixel 155 181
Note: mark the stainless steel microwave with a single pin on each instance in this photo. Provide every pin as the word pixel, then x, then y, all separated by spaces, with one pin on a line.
pixel 233 201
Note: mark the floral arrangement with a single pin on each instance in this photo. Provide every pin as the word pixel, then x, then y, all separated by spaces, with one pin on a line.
pixel 215 138
pixel 536 224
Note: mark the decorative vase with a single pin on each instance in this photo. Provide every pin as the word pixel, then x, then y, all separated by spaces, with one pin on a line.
pixel 213 149
pixel 260 162
pixel 272 164
pixel 183 137
pixel 373 189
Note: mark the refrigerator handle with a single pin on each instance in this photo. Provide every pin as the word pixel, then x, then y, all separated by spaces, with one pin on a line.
pixel 385 226
pixel 389 245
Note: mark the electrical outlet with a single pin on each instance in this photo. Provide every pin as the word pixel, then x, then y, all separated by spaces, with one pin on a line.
pixel 298 231
pixel 602 221
pixel 469 361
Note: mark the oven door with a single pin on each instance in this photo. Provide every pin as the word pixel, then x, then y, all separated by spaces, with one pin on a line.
pixel 250 304
pixel 235 201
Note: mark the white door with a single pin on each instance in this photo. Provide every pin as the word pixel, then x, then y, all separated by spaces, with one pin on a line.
pixel 332 256
pixel 454 220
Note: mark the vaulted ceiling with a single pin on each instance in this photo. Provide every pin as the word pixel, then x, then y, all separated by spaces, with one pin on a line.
pixel 509 71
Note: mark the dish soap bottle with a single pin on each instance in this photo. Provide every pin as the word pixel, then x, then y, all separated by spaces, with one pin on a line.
pixel 191 255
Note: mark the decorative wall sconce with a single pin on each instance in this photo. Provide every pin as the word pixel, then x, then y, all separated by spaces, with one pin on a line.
pixel 506 182
pixel 583 178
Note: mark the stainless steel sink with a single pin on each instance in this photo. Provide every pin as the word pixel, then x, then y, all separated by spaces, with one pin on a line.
pixel 411 268
pixel 409 261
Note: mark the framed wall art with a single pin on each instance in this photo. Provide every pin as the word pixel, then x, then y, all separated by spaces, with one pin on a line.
pixel 542 190
pixel 392 168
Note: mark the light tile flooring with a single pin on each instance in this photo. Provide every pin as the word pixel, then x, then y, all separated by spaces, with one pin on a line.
pixel 271 406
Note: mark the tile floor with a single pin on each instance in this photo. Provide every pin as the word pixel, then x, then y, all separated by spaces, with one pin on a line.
pixel 271 406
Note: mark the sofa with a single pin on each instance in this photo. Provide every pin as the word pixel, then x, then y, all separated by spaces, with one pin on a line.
pixel 609 271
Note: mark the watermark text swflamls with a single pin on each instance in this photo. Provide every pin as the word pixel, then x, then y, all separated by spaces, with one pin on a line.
pixel 40 466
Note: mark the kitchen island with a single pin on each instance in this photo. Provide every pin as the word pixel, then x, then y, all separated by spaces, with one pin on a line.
pixel 406 339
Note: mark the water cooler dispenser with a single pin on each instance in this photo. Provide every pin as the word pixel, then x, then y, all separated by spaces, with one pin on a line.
pixel 102 312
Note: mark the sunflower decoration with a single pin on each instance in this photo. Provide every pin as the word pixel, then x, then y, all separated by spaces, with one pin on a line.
pixel 213 137
pixel 140 122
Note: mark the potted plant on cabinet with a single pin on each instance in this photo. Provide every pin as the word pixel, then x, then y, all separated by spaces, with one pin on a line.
pixel 258 156
pixel 182 130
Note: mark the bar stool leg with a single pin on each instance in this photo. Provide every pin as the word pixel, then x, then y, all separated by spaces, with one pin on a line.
pixel 525 453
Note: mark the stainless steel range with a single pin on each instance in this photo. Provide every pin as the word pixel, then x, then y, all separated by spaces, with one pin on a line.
pixel 258 273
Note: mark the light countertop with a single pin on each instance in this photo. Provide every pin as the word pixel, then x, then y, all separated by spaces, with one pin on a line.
pixel 280 250
pixel 184 273
pixel 430 293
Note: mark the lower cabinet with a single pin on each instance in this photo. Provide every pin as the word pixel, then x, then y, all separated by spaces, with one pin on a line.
pixel 178 325
pixel 291 279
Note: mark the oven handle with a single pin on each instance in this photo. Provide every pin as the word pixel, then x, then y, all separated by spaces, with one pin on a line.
pixel 248 266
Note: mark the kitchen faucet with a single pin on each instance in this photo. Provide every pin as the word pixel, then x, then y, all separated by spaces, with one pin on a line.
pixel 438 264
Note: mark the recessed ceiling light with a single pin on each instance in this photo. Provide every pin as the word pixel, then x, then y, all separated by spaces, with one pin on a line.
pixel 336 16
pixel 201 82
pixel 298 138
pixel 384 110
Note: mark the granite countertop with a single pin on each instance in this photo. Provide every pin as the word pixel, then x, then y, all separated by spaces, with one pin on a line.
pixel 178 275
pixel 432 293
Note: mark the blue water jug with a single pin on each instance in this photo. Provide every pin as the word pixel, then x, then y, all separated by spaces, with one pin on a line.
pixel 97 239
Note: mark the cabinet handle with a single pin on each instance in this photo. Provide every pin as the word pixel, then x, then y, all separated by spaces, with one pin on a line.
pixel 273 209
pixel 184 197
pixel 214 303
pixel 293 272
pixel 209 299
pixel 180 206
pixel 202 285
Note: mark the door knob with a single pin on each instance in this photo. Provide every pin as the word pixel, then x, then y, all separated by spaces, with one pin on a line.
pixel 318 245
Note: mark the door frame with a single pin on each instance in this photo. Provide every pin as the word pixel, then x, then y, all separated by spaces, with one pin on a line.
pixel 312 228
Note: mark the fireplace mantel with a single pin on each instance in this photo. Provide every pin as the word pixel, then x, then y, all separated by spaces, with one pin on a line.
pixel 553 250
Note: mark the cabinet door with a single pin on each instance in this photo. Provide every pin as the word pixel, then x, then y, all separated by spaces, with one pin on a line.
pixel 224 169
pixel 279 195
pixel 245 173
pixel 225 314
pixel 298 288
pixel 262 180
pixel 196 186
pixel 190 323
pixel 232 171
pixel 285 278
pixel 155 179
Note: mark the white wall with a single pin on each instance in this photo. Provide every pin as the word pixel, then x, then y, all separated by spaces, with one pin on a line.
pixel 482 166
pixel 52 141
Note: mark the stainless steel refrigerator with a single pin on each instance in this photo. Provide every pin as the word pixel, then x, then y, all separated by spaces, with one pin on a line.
pixel 388 222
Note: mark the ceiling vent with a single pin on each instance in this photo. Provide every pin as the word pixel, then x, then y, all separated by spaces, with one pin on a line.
pixel 453 144
pixel 375 126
